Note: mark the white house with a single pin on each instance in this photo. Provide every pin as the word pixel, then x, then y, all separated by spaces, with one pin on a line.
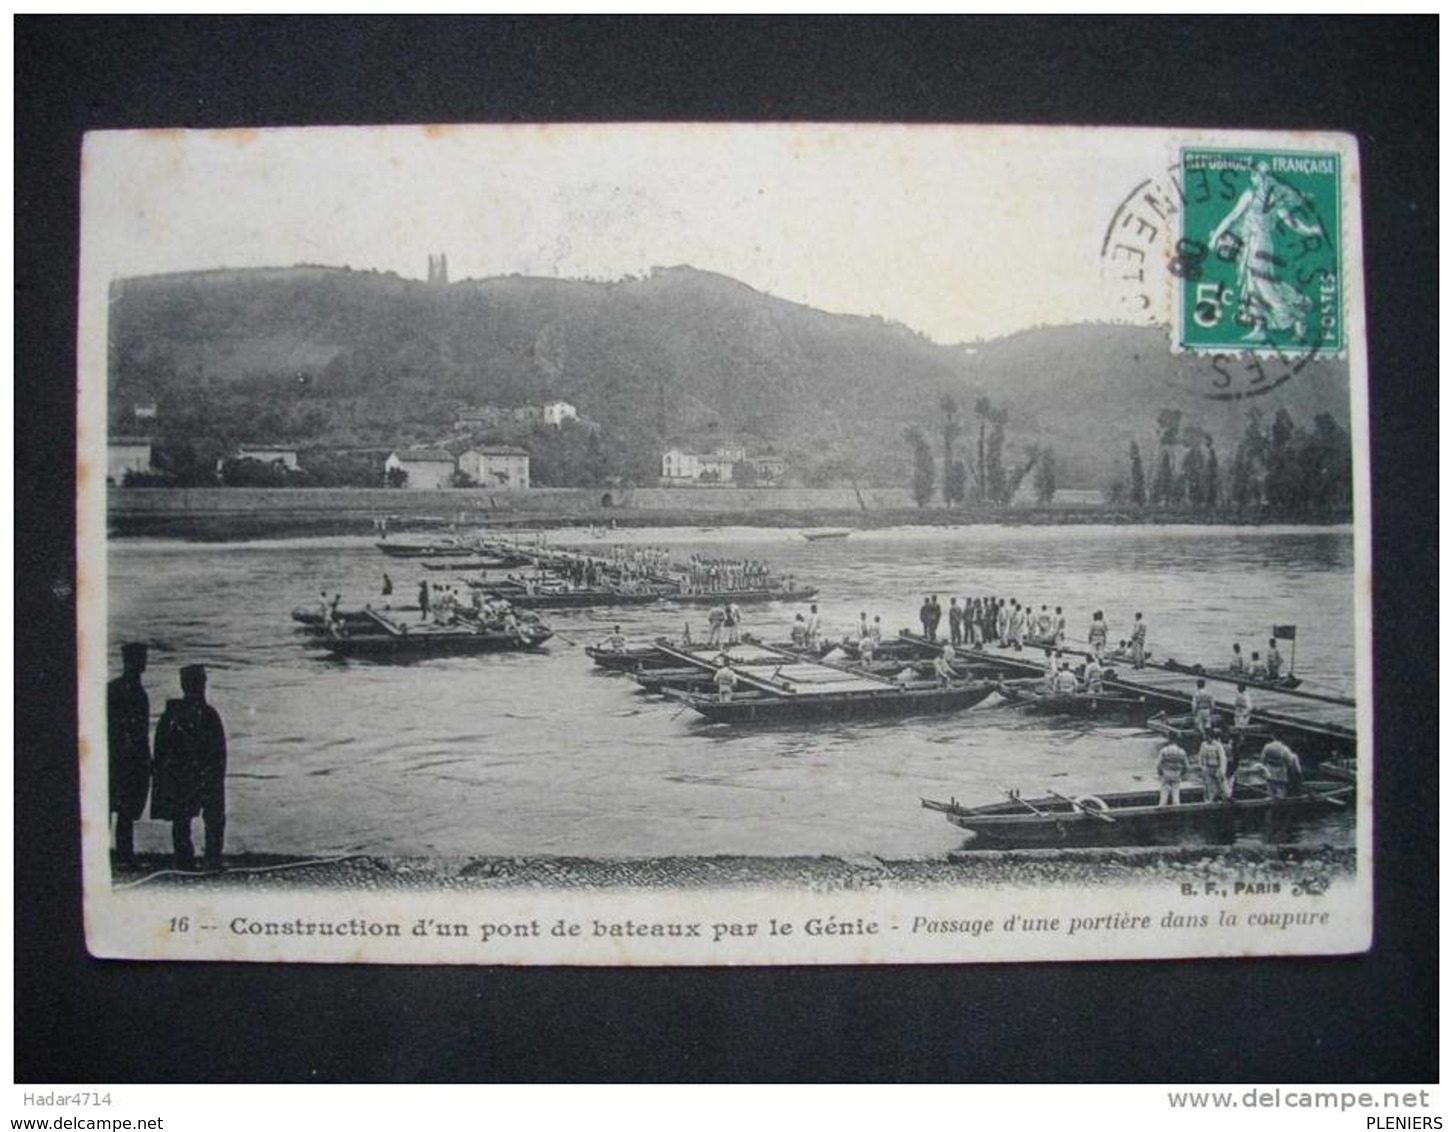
pixel 557 412
pixel 426 468
pixel 497 465
pixel 679 465
pixel 127 454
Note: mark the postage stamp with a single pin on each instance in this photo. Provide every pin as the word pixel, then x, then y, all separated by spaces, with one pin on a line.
pixel 723 544
pixel 1258 257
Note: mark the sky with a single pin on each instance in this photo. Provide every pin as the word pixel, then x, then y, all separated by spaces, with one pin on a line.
pixel 961 233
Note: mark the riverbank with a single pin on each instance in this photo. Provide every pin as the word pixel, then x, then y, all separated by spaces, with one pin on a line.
pixel 242 514
pixel 1312 867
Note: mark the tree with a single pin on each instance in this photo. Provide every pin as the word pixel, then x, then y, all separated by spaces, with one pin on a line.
pixel 1250 458
pixel 922 466
pixel 396 477
pixel 997 486
pixel 1241 478
pixel 1169 422
pixel 1137 476
pixel 951 429
pixel 1282 488
pixel 1213 477
pixel 343 469
pixel 1160 489
pixel 983 410
pixel 1044 479
pixel 1017 477
pixel 1177 493
pixel 1193 475
pixel 597 467
pixel 956 482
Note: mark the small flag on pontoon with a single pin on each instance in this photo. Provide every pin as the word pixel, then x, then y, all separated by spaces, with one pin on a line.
pixel 1284 632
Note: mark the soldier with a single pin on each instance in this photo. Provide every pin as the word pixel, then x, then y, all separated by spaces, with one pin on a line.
pixel 1212 758
pixel 925 619
pixel 1203 707
pixel 955 622
pixel 190 772
pixel 1137 642
pixel 1273 661
pixel 1242 707
pixel 726 679
pixel 1171 765
pixel 1099 634
pixel 1283 769
pixel 128 747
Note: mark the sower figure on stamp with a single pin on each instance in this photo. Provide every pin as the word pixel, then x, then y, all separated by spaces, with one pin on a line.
pixel 128 747
pixel 191 771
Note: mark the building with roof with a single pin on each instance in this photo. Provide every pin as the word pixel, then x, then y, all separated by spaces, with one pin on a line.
pixel 496 465
pixel 425 468
pixel 680 466
pixel 127 454
pixel 557 412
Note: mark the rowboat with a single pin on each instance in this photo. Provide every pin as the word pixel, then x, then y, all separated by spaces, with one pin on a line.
pixel 1282 682
pixel 312 615
pixel 1035 700
pixel 434 548
pixel 1182 729
pixel 879 700
pixel 1135 817
pixel 668 654
pixel 386 639
pixel 655 681
pixel 818 536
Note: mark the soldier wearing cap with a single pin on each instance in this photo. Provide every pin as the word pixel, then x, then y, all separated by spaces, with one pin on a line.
pixel 128 747
pixel 190 772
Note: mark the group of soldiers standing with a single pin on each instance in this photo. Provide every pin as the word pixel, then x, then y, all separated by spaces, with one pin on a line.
pixel 1276 770
pixel 184 772
pixel 1007 623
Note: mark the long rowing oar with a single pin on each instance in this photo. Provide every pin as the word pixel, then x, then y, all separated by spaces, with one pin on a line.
pixel 1083 809
pixel 1014 795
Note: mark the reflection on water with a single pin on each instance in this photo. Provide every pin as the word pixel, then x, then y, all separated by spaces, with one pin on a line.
pixel 541 753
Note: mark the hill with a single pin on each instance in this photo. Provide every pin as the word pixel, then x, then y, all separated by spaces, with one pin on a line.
pixel 331 357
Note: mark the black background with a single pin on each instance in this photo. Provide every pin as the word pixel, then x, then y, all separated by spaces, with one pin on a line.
pixel 1367 1018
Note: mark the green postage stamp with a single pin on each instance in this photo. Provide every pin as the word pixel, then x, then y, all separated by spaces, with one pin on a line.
pixel 708 544
pixel 1259 254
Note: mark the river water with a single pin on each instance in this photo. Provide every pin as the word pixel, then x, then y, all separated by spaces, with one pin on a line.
pixel 519 754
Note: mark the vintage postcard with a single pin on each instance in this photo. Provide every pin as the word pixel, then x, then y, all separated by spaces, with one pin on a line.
pixel 723 544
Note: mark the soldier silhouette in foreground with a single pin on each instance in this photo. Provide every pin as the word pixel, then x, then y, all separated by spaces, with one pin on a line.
pixel 128 747
pixel 191 771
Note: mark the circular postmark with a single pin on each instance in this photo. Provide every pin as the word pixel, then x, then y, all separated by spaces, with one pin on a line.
pixel 1239 253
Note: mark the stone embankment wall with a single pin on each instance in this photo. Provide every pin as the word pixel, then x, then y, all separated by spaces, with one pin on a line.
pixel 476 502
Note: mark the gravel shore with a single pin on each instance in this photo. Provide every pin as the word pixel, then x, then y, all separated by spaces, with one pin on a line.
pixel 1311 866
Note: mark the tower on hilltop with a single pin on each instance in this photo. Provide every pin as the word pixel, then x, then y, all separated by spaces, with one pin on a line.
pixel 439 268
